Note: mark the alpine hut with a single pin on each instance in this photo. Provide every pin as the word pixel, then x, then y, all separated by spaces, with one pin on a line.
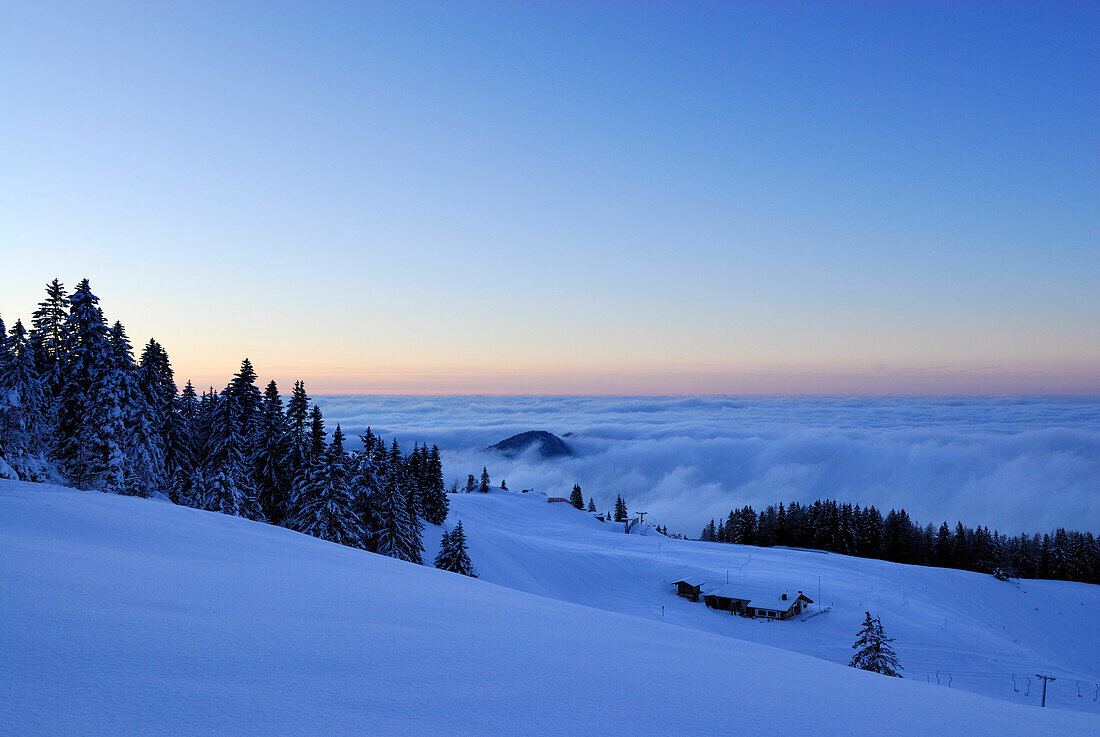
pixel 689 588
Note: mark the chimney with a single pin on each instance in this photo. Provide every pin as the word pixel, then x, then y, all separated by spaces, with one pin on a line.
pixel 784 597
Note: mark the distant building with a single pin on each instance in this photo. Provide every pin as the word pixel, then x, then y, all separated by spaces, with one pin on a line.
pixel 756 602
pixel 555 499
pixel 689 588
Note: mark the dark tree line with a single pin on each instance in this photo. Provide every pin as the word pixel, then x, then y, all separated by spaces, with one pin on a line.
pixel 77 407
pixel 864 532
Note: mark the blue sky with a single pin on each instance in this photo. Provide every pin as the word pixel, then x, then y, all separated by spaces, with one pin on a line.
pixel 579 197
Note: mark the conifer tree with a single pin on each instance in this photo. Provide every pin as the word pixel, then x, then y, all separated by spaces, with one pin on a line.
pixel 47 337
pixel 412 502
pixel 229 482
pixel 249 403
pixel 873 651
pixel 271 468
pixel 397 531
pixel 453 555
pixel 111 397
pixel 620 509
pixel 744 527
pixel 709 533
pixel 155 374
pixel 591 505
pixel 181 446
pixel 81 409
pixel 23 411
pixel 576 498
pixel 483 487
pixel 142 444
pixel 370 440
pixel 156 380
pixel 416 467
pixel 6 471
pixel 503 485
pixel 324 504
pixel 471 484
pixel 435 502
pixel 316 433
pixel 366 482
pixel 297 415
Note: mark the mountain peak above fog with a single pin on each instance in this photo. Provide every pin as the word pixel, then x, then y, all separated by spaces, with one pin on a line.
pixel 549 445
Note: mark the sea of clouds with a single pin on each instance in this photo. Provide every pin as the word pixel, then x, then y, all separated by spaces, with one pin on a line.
pixel 1012 464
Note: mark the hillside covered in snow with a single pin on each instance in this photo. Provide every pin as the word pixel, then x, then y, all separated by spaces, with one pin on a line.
pixel 971 630
pixel 134 616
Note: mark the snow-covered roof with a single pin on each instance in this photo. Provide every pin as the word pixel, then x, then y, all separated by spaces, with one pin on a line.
pixel 727 592
pixel 691 581
pixel 761 597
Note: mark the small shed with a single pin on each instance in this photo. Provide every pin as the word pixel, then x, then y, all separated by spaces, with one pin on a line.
pixel 689 588
pixel 555 499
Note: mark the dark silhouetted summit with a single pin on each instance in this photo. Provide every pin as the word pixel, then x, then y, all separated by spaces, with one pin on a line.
pixel 549 444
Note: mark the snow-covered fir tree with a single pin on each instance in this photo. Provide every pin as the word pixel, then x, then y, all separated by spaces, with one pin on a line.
pixel 316 433
pixel 453 555
pixel 81 408
pixel 416 466
pixel 434 500
pixel 397 530
pixel 483 485
pixel 184 451
pixel 142 444
pixel 323 504
pixel 6 471
pixel 271 468
pixel 297 415
pixel 873 651
pixel 23 411
pixel 591 505
pixel 412 504
pixel 47 337
pixel 471 484
pixel 576 498
pixel 367 468
pixel 243 389
pixel 112 392
pixel 229 487
pixel 158 387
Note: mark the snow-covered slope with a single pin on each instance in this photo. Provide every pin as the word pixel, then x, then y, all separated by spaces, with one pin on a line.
pixel 974 630
pixel 133 616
